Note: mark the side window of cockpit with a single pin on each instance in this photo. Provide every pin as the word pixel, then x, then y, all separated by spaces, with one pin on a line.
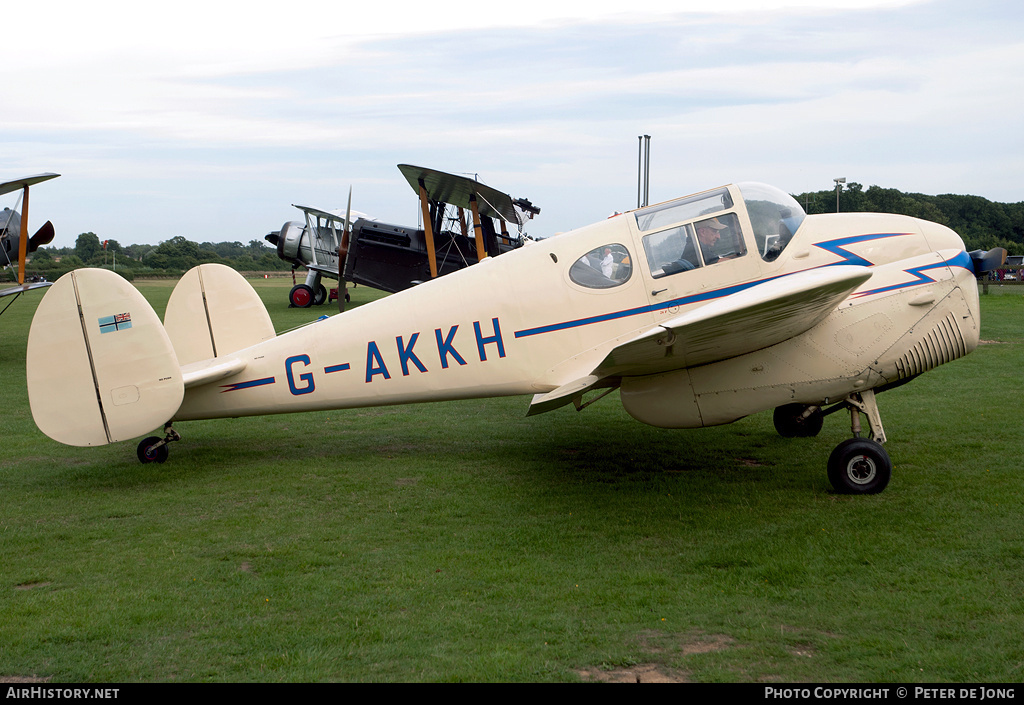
pixel 671 251
pixel 602 268
pixel 720 238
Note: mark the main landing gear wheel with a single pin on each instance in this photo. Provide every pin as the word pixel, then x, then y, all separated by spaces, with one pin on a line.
pixel 152 450
pixel 798 420
pixel 320 295
pixel 859 466
pixel 301 296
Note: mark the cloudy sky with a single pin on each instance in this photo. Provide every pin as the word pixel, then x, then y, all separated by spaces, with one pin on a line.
pixel 208 119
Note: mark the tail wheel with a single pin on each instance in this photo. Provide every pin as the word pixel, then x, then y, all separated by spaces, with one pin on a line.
pixel 301 296
pixel 149 452
pixel 859 466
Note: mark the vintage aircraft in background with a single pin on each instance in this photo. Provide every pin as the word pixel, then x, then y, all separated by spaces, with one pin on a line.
pixel 350 246
pixel 15 245
pixel 700 311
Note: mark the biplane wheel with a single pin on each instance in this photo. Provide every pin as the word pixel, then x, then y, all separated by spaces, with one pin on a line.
pixel 859 466
pixel 301 296
pixel 149 452
pixel 789 421
pixel 320 296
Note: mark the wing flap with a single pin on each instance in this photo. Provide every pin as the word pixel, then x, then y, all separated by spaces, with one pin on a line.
pixel 542 403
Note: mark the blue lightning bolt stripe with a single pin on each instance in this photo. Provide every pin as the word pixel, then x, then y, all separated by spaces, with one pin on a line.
pixel 919 276
pixel 835 247
pixel 247 385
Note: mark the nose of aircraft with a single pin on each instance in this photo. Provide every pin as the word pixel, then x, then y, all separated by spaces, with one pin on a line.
pixel 940 237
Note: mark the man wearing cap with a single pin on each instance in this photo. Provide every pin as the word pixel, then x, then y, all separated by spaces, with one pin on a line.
pixel 708 232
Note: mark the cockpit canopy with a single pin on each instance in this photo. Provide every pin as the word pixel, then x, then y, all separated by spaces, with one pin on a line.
pixel 774 215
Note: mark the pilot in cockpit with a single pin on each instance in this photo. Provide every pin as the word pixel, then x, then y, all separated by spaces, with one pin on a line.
pixel 709 232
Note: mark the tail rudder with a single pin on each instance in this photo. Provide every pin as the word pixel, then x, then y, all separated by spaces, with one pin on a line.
pixel 100 366
pixel 214 311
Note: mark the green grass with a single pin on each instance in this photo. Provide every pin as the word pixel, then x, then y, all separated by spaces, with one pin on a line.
pixel 465 542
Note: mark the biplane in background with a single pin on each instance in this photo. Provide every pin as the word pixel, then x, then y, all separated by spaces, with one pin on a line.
pixel 15 245
pixel 352 247
pixel 700 311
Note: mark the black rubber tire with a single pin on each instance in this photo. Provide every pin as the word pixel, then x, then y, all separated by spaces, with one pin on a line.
pixel 859 466
pixel 301 296
pixel 320 295
pixel 789 424
pixel 149 454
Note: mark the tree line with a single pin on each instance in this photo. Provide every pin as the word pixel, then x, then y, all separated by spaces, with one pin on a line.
pixel 983 224
pixel 169 258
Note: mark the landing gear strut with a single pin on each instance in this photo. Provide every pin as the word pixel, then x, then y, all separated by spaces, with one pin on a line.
pixel 861 465
pixel 154 448
pixel 857 465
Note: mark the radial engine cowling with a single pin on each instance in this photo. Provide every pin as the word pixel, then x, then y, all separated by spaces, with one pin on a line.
pixel 290 242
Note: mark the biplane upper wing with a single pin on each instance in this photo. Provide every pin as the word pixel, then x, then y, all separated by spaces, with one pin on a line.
pixel 457 190
pixel 751 319
pixel 316 212
pixel 9 186
pixel 26 244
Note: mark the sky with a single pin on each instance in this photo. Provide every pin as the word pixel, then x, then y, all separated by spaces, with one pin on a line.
pixel 209 119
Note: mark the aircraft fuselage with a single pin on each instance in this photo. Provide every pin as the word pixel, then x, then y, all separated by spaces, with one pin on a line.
pixel 536 318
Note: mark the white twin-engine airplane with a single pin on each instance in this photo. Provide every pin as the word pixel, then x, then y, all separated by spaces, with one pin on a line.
pixel 700 311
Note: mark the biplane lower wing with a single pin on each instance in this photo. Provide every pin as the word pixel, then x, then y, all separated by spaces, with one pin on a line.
pixel 22 288
pixel 752 319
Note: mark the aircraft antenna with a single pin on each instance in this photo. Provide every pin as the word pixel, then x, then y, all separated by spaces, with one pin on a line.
pixel 643 169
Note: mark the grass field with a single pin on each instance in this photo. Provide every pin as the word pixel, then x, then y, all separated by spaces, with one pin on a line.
pixel 465 542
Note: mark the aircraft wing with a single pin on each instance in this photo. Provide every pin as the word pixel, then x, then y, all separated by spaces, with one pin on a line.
pixel 751 319
pixel 8 186
pixel 22 288
pixel 336 217
pixel 456 190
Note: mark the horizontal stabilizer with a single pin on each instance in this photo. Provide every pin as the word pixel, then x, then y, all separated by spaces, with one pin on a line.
pixel 199 373
pixel 99 366
pixel 214 311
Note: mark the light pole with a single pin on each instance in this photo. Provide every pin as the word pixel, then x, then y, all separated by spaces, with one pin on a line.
pixel 839 187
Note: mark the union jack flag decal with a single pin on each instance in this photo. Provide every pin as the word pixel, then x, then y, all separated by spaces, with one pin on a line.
pixel 111 324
